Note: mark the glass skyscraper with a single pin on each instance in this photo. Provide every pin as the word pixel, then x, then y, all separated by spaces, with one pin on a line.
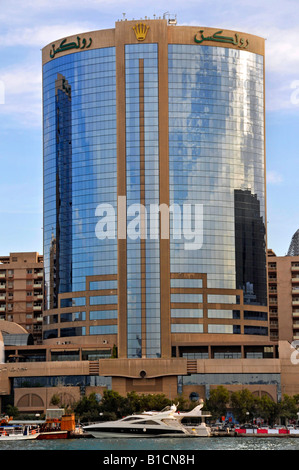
pixel 154 191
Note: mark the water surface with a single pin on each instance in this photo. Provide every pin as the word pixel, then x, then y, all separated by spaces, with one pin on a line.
pixel 158 444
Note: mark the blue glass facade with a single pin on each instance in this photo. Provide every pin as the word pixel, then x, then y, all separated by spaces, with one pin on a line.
pixel 142 179
pixel 208 380
pixel 91 127
pixel 216 158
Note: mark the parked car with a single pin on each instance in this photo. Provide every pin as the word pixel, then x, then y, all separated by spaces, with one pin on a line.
pixel 249 426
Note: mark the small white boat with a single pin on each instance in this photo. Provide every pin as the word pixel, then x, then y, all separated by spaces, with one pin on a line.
pixel 167 423
pixel 17 433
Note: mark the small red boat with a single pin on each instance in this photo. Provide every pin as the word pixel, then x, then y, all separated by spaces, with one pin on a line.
pixel 53 435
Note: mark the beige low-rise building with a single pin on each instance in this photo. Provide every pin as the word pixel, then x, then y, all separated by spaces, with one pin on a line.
pixel 21 291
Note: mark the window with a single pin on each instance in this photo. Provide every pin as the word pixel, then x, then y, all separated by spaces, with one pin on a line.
pixel 65 355
pixel 255 330
pixel 72 302
pixel 103 330
pixel 186 313
pixel 99 285
pixel 186 298
pixel 249 315
pixel 195 283
pixel 72 316
pixel 186 328
pixel 220 329
pixel 102 314
pixel 103 299
pixel 75 331
pixel 155 423
pixel 193 396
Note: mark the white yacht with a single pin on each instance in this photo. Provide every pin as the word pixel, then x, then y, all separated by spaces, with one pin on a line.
pixel 17 433
pixel 167 423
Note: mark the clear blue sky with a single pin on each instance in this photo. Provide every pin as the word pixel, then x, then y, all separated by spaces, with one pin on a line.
pixel 27 26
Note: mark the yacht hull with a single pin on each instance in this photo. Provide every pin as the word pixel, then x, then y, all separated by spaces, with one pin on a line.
pixel 18 437
pixel 145 433
pixel 134 432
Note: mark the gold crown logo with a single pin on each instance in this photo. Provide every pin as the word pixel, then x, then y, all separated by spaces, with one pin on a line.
pixel 140 31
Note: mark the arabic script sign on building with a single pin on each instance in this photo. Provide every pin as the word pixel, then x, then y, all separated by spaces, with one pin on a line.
pixel 66 46
pixel 235 41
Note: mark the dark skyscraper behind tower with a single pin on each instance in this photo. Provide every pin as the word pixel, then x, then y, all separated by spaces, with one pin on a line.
pixel 294 245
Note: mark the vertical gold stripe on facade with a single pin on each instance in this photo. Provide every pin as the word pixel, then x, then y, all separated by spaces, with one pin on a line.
pixel 121 188
pixel 142 205
pixel 164 189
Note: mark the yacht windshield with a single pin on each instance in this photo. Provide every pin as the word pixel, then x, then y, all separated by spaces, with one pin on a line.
pixel 131 419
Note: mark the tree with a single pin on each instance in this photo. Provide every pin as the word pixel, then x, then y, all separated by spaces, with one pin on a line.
pixel 154 402
pixel 113 402
pixel 288 408
pixel 114 352
pixel 132 404
pixel 12 411
pixel 217 402
pixel 55 400
pixel 244 405
pixel 267 409
pixel 183 404
pixel 114 406
pixel 88 408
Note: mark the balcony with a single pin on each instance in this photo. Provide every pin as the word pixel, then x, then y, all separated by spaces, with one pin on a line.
pixel 295 268
pixel 274 314
pixel 295 302
pixel 37 308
